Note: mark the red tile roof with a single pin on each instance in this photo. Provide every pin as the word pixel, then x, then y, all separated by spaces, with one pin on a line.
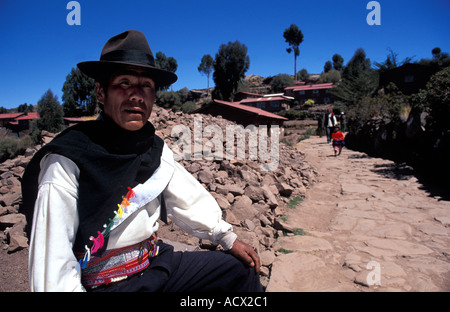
pixel 20 116
pixel 11 116
pixel 249 93
pixel 29 116
pixel 250 109
pixel 264 99
pixel 311 87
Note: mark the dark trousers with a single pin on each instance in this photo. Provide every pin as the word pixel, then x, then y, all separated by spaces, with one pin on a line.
pixel 329 131
pixel 199 271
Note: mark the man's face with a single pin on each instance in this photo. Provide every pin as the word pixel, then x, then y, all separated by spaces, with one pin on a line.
pixel 129 99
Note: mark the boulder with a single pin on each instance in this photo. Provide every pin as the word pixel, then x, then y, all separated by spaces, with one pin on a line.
pixel 205 176
pixel 284 189
pixel 255 193
pixel 10 220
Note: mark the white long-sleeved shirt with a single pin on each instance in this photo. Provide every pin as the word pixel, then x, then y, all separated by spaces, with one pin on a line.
pixel 331 120
pixel 52 263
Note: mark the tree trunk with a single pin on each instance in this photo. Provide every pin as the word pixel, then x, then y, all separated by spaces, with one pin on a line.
pixel 295 67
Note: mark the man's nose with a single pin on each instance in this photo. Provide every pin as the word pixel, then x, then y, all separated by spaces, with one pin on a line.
pixel 136 93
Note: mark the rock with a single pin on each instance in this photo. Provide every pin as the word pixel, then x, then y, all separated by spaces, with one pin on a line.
pixel 230 217
pixel 255 193
pixel 394 247
pixel 234 189
pixel 264 220
pixel 205 176
pixel 11 199
pixel 194 167
pixel 362 279
pixel 249 224
pixel 267 241
pixel 6 175
pixel 222 201
pixel 279 224
pixel 304 243
pixel 18 171
pixel 10 220
pixel 3 211
pixel 268 179
pixel 443 220
pixel 243 209
pixel 17 242
pixel 296 183
pixel 220 176
pixel 294 272
pixel 267 258
pixel 248 176
pixel 17 238
pixel 284 189
pixel 270 197
pixel 264 274
pixel 222 189
pixel 268 231
pixel 29 152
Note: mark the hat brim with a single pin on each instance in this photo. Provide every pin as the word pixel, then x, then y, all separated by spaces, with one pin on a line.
pixel 98 69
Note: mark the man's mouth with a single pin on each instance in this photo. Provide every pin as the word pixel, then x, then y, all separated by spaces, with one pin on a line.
pixel 134 111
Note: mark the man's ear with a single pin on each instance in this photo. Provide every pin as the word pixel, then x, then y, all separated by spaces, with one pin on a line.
pixel 100 93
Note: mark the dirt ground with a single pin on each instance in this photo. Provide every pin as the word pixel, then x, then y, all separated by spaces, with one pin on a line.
pixel 371 225
pixel 13 270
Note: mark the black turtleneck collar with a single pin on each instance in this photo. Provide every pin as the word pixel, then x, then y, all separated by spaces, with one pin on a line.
pixel 117 140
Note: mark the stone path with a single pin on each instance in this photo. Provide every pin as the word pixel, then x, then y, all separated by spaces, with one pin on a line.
pixel 370 226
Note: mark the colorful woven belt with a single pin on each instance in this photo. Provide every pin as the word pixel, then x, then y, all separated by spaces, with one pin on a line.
pixel 118 264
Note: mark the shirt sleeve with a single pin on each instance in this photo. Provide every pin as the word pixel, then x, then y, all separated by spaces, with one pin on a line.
pixel 52 264
pixel 192 208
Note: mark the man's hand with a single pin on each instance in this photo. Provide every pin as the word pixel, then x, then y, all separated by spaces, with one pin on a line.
pixel 246 254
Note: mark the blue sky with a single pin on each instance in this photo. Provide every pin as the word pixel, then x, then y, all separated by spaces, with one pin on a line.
pixel 38 47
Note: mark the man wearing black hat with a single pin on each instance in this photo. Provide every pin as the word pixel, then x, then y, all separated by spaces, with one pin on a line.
pixel 93 195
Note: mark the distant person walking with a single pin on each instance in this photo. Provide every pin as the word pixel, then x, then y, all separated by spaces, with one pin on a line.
pixel 331 123
pixel 321 125
pixel 342 122
pixel 338 141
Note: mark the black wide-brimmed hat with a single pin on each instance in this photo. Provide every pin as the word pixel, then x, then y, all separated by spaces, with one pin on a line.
pixel 128 48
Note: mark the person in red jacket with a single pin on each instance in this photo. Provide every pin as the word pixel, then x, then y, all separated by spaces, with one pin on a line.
pixel 338 141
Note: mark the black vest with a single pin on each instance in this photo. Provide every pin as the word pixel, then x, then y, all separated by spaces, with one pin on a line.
pixel 110 160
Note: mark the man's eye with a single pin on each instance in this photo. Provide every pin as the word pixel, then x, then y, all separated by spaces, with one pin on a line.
pixel 147 85
pixel 124 83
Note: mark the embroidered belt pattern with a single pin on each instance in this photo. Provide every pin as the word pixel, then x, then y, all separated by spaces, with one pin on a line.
pixel 118 264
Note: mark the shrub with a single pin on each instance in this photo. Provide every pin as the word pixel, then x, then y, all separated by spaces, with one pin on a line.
pixel 293 114
pixel 285 251
pixel 308 103
pixel 10 147
pixel 280 82
pixel 299 231
pixel 188 107
pixel 294 202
